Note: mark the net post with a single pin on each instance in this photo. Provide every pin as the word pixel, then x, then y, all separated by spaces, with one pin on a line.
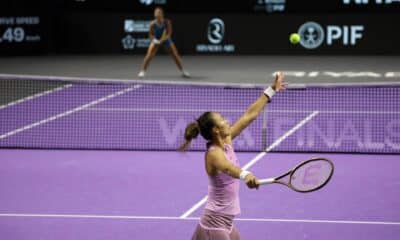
pixel 264 130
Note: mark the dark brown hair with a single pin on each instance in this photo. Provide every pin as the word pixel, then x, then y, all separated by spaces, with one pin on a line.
pixel 203 125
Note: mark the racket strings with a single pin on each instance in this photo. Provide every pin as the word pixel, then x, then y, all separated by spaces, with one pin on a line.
pixel 311 175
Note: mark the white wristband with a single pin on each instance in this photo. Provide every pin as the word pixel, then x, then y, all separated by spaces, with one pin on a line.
pixel 269 92
pixel 243 174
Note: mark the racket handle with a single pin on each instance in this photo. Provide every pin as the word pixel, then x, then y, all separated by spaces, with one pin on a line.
pixel 266 181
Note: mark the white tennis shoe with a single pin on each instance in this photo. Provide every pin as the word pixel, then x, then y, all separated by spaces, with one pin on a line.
pixel 142 74
pixel 185 74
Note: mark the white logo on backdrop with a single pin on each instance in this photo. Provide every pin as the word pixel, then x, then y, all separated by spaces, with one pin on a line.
pixel 215 36
pixel 216 30
pixel 150 2
pixel 128 42
pixel 141 26
pixel 311 35
pixel 136 34
pixel 146 2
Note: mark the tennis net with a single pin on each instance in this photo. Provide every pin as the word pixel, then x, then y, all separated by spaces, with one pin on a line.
pixel 73 113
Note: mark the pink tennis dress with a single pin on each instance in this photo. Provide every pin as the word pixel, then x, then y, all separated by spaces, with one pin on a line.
pixel 222 204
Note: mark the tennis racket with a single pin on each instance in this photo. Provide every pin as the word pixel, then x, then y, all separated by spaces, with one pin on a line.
pixel 307 176
pixel 163 36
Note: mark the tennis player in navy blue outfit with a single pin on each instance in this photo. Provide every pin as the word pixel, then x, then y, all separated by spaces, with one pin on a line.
pixel 160 35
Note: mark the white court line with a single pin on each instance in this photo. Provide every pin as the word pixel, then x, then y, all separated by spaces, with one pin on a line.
pixel 34 96
pixel 226 110
pixel 83 216
pixel 194 208
pixel 257 158
pixel 69 112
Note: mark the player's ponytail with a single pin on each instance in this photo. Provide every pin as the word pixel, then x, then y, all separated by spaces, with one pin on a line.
pixel 191 132
pixel 203 125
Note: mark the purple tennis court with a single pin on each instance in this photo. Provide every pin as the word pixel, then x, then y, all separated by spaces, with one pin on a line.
pixel 85 160
pixel 100 101
pixel 79 195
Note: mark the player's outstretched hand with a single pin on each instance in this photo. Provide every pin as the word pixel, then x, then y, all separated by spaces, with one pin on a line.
pixel 279 84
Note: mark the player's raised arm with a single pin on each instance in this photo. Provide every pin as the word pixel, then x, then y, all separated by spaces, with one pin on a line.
pixel 256 107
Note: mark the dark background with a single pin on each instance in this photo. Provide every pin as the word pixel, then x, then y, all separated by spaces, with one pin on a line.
pixel 97 26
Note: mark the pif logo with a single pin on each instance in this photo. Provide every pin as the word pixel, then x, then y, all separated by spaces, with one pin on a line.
pixel 312 34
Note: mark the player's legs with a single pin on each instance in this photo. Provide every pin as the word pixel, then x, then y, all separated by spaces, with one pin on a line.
pixel 151 52
pixel 207 234
pixel 216 226
pixel 173 51
pixel 234 235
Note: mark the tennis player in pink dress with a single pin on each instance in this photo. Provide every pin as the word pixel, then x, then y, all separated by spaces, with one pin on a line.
pixel 223 168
